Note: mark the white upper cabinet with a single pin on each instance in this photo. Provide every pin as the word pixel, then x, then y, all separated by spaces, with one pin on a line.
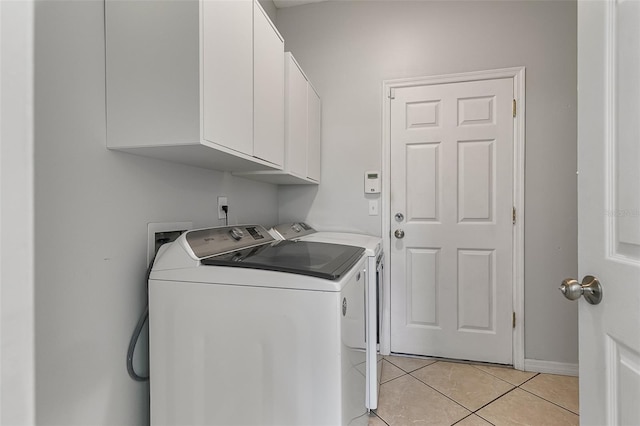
pixel 227 73
pixel 302 119
pixel 268 89
pixel 180 83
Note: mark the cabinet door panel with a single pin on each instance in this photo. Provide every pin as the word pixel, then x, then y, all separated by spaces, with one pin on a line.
pixel 152 69
pixel 268 101
pixel 313 134
pixel 296 119
pixel 227 69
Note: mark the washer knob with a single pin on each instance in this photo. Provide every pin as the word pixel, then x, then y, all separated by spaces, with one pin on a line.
pixel 296 227
pixel 236 233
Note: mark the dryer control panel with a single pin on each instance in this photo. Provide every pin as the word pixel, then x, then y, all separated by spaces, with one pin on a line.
pixel 214 241
pixel 291 231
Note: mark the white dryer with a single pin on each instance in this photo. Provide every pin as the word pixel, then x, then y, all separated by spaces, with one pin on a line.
pixel 375 263
pixel 247 330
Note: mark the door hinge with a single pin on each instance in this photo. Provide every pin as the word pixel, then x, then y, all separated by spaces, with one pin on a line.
pixel 392 93
pixel 514 108
pixel 514 320
pixel 513 215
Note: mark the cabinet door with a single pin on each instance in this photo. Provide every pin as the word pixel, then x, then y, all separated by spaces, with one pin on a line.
pixel 227 73
pixel 152 69
pixel 268 98
pixel 313 134
pixel 295 118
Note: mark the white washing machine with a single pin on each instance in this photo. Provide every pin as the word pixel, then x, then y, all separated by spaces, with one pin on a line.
pixel 247 330
pixel 375 263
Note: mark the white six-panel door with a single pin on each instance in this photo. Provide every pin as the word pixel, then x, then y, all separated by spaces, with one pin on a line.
pixel 609 209
pixel 452 184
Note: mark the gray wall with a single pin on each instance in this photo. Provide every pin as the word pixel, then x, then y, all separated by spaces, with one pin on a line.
pixel 348 48
pixel 92 209
pixel 270 8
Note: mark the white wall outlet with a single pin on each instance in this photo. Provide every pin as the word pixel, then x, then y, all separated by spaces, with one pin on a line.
pixel 373 207
pixel 222 201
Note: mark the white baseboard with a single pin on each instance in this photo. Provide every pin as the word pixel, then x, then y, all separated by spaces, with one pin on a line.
pixel 551 367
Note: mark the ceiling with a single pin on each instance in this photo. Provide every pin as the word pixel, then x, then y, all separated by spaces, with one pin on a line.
pixel 289 3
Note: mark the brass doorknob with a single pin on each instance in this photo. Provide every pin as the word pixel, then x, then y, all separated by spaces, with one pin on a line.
pixel 590 289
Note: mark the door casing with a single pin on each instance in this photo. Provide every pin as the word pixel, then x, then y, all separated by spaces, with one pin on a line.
pixel 518 76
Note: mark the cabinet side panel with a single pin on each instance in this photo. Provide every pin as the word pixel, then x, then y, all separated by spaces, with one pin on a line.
pixel 228 73
pixel 296 120
pixel 152 62
pixel 314 134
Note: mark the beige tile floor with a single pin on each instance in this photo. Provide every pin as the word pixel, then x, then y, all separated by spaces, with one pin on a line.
pixel 420 391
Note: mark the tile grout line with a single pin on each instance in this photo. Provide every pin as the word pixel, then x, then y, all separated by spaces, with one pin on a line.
pixel 493 424
pixel 415 369
pixel 470 416
pixel 495 399
pixel 381 419
pixel 497 377
pixel 551 402
pixel 527 381
pixel 504 394
pixel 492 401
pixel 404 373
pixel 530 379
pixel 446 396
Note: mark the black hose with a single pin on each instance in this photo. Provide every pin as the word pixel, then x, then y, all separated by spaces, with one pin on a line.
pixel 136 333
pixel 132 347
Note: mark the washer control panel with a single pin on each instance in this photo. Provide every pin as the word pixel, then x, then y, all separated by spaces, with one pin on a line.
pixel 290 231
pixel 214 241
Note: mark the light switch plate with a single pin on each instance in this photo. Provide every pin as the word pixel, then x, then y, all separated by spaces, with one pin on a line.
pixel 373 207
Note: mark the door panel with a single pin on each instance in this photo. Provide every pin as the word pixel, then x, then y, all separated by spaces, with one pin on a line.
pixel 476 290
pixel 452 179
pixel 227 74
pixel 423 189
pixel 476 197
pixel 627 127
pixel 609 209
pixel 422 265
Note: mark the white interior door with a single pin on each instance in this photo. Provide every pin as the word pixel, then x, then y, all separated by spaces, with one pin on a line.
pixel 609 209
pixel 451 220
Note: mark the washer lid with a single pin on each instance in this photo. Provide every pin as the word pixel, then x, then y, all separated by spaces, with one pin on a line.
pixel 322 260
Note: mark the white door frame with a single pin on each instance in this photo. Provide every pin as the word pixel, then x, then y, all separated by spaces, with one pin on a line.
pixel 17 306
pixel 518 75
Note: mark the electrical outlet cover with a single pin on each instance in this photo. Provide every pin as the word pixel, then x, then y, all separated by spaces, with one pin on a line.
pixel 222 201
